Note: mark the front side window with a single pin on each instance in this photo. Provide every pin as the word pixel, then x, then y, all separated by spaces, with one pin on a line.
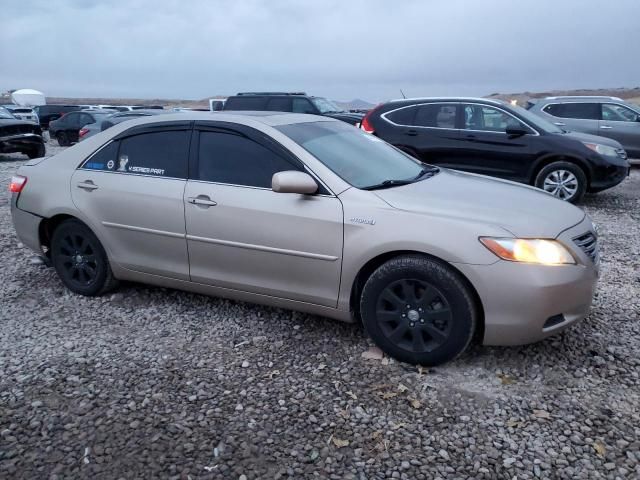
pixel 489 119
pixel 613 112
pixel 359 158
pixel 232 158
pixel 157 153
pixel 438 115
pixel 302 105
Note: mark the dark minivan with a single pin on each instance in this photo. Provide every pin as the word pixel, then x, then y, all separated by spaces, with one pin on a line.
pixel 296 102
pixel 491 137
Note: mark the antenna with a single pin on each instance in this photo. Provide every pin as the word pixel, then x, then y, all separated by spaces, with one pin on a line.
pixel 403 95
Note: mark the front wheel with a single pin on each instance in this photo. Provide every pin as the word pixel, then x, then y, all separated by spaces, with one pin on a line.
pixel 36 152
pixel 80 260
pixel 418 310
pixel 564 180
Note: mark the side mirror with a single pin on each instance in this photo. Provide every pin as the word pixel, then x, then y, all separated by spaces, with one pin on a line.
pixel 293 182
pixel 514 132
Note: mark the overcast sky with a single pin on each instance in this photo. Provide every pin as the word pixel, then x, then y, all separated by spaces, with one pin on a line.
pixel 342 49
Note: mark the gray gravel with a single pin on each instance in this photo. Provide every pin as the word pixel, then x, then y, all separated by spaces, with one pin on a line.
pixel 149 382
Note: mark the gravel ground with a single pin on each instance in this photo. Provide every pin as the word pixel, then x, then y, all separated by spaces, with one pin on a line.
pixel 150 382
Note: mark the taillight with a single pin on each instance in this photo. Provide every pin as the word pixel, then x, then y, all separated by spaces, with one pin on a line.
pixel 83 131
pixel 17 183
pixel 366 122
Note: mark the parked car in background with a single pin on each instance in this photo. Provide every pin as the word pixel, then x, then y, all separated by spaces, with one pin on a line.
pixel 23 113
pixel 20 136
pixel 309 213
pixel 91 129
pixel 216 104
pixel 66 130
pixel 491 137
pixel 609 117
pixel 49 112
pixel 298 102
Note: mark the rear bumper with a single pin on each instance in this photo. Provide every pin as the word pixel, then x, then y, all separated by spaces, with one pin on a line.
pixel 26 225
pixel 23 142
pixel 525 303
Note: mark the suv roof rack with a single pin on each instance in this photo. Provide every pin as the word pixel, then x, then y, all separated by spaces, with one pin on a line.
pixel 584 97
pixel 271 93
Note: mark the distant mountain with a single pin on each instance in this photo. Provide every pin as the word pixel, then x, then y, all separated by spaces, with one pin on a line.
pixel 355 104
pixel 628 94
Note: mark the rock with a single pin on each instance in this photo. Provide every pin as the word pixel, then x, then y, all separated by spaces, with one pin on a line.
pixel 373 353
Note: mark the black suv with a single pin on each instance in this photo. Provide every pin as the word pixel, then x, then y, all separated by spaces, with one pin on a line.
pixel 298 102
pixel 47 113
pixel 494 138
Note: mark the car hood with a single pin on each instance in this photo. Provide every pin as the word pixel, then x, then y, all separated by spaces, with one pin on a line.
pixel 521 210
pixel 13 121
pixel 587 137
pixel 348 117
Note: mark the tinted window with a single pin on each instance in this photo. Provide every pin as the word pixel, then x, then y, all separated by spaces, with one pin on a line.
pixel 302 105
pixel 157 153
pixel 585 111
pixel 279 104
pixel 613 112
pixel 105 159
pixel 440 115
pixel 489 119
pixel 359 158
pixel 245 103
pixel 404 116
pixel 237 160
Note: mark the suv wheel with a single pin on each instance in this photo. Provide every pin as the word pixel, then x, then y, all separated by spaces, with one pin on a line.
pixel 418 310
pixel 63 141
pixel 80 260
pixel 563 180
pixel 36 152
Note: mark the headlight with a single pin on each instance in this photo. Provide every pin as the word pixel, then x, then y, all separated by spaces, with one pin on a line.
pixel 602 149
pixel 546 252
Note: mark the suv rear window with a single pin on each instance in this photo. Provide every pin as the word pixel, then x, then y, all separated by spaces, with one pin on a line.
pixel 584 111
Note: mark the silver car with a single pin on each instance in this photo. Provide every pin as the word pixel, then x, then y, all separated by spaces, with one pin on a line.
pixel 310 213
pixel 605 116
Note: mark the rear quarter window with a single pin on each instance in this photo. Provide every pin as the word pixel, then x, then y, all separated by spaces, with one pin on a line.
pixel 402 116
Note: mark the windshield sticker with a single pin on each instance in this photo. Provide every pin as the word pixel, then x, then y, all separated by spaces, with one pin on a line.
pixel 122 164
pixel 153 171
pixel 110 164
pixel 95 166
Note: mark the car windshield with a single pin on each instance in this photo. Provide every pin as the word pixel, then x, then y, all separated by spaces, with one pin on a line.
pixel 360 159
pixel 326 106
pixel 538 122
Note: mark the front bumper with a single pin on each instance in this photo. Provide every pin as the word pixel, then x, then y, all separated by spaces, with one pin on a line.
pixel 608 176
pixel 524 303
pixel 22 142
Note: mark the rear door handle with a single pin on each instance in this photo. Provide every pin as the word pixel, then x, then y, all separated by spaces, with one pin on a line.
pixel 201 200
pixel 411 133
pixel 87 185
pixel 560 124
pixel 606 127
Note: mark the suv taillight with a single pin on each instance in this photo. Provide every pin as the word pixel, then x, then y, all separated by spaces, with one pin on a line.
pixel 83 131
pixel 17 183
pixel 366 121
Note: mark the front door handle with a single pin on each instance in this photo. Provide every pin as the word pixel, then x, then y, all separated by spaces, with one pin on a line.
pixel 560 124
pixel 201 200
pixel 411 133
pixel 87 185
pixel 606 127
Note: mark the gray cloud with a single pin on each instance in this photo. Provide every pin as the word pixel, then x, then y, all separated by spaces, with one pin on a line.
pixel 341 49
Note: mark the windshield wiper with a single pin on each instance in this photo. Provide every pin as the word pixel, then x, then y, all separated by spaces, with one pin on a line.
pixel 426 172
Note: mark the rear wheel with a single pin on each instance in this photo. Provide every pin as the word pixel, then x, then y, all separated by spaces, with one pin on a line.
pixel 418 310
pixel 63 141
pixel 564 180
pixel 36 152
pixel 80 259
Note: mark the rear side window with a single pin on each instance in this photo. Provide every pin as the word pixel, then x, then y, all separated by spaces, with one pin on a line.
pixel 438 115
pixel 157 153
pixel 237 160
pixel 279 104
pixel 245 103
pixel 584 111
pixel 403 116
pixel 105 159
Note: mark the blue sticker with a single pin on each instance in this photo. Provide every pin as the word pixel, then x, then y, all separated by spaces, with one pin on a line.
pixel 95 166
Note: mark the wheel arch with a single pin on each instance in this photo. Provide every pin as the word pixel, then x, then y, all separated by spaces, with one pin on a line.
pixel 48 225
pixel 371 265
pixel 549 158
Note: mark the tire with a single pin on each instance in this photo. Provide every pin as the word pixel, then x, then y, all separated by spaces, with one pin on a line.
pixel 564 180
pixel 80 260
pixel 36 152
pixel 418 310
pixel 63 141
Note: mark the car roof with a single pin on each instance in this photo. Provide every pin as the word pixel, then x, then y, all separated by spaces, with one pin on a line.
pixel 243 117
pixel 593 98
pixel 491 101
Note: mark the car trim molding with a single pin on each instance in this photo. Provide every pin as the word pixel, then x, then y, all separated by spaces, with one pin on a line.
pixel 263 248
pixel 144 230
